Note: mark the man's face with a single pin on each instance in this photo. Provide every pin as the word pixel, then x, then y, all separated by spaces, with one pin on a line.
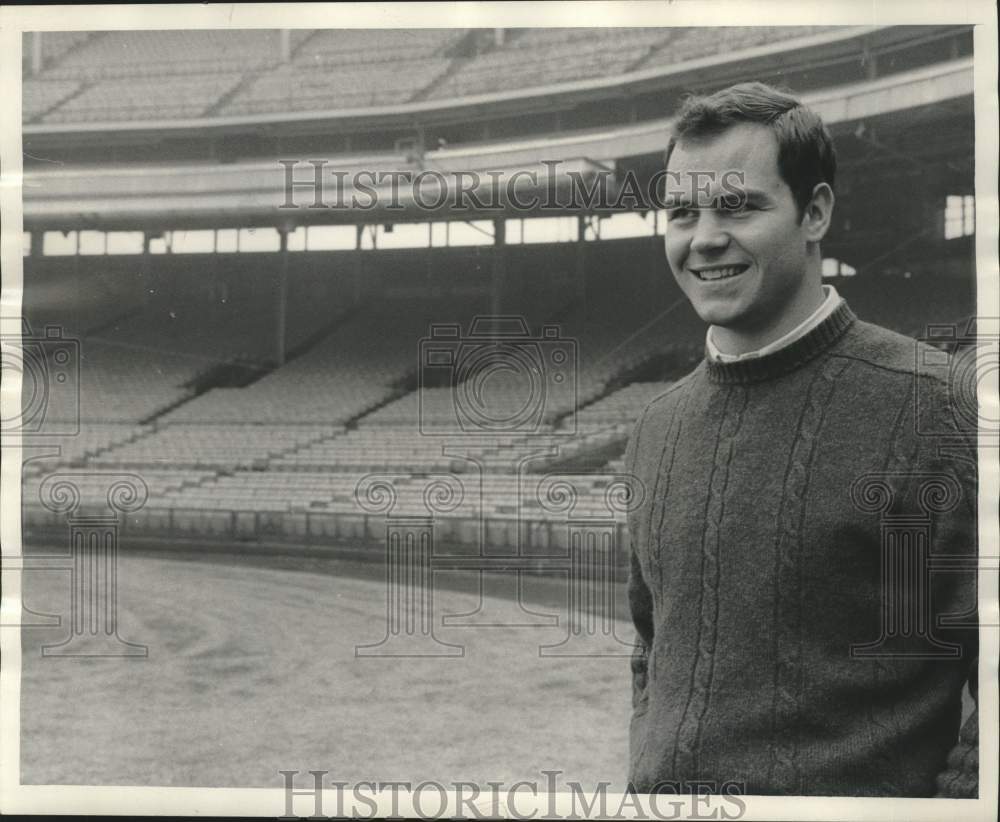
pixel 742 269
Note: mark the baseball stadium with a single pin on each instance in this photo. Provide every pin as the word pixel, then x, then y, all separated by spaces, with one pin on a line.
pixel 317 477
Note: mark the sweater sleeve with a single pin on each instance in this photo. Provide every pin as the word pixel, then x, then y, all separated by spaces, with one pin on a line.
pixel 639 598
pixel 641 605
pixel 956 535
pixel 960 778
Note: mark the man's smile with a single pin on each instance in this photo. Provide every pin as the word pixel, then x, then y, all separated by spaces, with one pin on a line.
pixel 718 272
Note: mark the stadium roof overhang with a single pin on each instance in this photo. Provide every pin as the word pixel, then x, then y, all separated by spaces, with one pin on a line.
pixel 539 170
pixel 383 191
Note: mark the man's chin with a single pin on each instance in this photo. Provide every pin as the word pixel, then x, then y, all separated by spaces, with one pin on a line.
pixel 718 316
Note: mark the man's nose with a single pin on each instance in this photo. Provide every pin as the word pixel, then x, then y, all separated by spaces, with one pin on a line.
pixel 709 235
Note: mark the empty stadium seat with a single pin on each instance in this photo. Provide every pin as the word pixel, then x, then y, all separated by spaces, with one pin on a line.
pixel 144 75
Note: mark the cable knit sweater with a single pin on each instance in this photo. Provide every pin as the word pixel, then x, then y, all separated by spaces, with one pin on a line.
pixel 767 547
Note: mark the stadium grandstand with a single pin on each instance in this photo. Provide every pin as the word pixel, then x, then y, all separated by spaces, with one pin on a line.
pixel 253 359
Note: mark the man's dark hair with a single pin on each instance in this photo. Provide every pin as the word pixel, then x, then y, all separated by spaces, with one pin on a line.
pixel 805 149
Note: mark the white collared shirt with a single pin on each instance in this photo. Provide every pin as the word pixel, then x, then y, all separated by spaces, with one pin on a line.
pixel 826 308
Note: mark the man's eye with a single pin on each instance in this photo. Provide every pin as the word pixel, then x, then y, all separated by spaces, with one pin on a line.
pixel 680 213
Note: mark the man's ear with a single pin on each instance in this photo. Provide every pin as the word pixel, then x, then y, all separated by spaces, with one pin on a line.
pixel 818 213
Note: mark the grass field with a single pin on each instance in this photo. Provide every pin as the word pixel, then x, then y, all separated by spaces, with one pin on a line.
pixel 252 670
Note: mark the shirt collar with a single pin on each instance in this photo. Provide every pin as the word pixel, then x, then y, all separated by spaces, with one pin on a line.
pixel 830 303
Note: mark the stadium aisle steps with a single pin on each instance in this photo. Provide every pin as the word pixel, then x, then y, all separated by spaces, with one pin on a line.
pixel 300 40
pixel 690 43
pixel 651 49
pixel 240 86
pixel 290 455
pixel 203 384
pixel 41 97
pixel 454 67
pixel 213 446
pixel 134 435
pixel 59 45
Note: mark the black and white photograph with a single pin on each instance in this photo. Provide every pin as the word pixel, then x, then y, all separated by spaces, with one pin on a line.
pixel 548 410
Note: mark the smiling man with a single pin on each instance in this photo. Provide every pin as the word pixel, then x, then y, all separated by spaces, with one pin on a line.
pixel 750 266
pixel 759 585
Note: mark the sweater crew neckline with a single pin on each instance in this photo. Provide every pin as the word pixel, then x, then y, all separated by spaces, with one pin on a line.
pixel 777 364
